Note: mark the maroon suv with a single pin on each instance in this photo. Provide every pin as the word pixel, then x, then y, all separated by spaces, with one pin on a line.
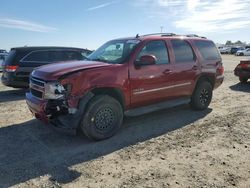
pixel 126 76
pixel 242 70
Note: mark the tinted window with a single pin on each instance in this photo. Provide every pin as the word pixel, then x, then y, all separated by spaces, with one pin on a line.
pixel 182 51
pixel 14 57
pixel 156 48
pixel 37 56
pixel 72 55
pixel 53 56
pixel 208 50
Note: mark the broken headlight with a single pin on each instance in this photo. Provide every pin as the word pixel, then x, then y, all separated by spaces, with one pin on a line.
pixel 54 90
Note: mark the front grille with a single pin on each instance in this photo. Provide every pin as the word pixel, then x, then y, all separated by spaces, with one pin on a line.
pixel 36 93
pixel 37 87
pixel 37 81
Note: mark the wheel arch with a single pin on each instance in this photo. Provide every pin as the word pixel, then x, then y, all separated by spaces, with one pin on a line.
pixel 112 92
pixel 206 77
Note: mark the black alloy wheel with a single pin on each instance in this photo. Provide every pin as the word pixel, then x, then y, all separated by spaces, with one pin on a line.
pixel 102 118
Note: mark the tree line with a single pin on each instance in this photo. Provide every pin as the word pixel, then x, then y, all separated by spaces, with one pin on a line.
pixel 240 43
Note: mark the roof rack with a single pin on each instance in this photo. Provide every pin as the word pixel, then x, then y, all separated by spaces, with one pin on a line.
pixel 157 34
pixel 169 35
pixel 194 35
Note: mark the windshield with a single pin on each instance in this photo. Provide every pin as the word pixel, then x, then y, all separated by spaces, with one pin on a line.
pixel 115 52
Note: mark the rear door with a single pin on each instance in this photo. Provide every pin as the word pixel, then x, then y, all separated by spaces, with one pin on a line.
pixel 32 60
pixel 185 67
pixel 43 57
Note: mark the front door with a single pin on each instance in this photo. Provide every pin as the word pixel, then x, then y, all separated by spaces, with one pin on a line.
pixel 151 83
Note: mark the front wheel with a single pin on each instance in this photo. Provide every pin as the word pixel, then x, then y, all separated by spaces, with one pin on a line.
pixel 103 118
pixel 202 96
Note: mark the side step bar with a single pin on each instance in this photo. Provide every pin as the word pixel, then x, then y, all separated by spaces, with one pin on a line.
pixel 157 106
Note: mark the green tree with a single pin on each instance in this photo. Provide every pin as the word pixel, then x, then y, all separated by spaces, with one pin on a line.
pixel 238 42
pixel 229 42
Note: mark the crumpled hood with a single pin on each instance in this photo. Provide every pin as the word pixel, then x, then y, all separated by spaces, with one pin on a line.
pixel 56 70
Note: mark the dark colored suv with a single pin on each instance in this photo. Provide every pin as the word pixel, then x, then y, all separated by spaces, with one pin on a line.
pixel 126 76
pixel 21 62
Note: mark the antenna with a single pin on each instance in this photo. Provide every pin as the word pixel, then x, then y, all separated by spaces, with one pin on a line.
pixel 162 28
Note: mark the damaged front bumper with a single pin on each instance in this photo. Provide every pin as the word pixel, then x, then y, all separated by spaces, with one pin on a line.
pixel 37 107
pixel 56 112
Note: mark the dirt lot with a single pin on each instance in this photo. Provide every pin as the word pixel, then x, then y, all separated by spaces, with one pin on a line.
pixel 169 148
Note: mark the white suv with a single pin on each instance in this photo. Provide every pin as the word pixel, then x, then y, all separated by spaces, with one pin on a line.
pixel 243 52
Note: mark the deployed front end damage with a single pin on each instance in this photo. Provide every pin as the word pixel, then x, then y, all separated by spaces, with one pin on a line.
pixel 52 103
pixel 70 119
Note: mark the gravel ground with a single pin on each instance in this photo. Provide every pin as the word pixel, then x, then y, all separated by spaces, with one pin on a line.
pixel 175 147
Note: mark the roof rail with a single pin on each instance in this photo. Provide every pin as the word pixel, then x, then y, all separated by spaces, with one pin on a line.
pixel 194 35
pixel 158 34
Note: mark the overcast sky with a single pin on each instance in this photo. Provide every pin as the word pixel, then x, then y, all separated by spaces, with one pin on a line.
pixel 89 23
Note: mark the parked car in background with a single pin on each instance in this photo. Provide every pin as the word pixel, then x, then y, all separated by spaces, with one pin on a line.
pixel 225 50
pixel 242 70
pixel 243 52
pixel 126 76
pixel 21 62
pixel 3 55
pixel 235 49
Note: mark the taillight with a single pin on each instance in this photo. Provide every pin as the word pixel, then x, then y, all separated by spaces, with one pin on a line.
pixel 9 68
pixel 244 65
pixel 221 70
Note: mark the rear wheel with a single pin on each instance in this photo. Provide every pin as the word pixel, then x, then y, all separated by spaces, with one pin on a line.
pixel 202 96
pixel 103 117
pixel 243 79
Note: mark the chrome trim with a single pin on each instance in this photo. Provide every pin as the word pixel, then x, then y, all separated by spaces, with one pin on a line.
pixel 32 78
pixel 37 87
pixel 162 88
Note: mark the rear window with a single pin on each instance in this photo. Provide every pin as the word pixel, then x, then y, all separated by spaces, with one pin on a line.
pixel 182 51
pixel 14 57
pixel 37 56
pixel 208 50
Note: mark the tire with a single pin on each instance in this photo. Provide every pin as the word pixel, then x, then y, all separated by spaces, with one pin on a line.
pixel 103 117
pixel 202 95
pixel 243 80
pixel 241 54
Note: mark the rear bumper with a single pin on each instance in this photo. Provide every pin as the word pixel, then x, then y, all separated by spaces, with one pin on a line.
pixel 37 107
pixel 242 73
pixel 218 81
pixel 11 80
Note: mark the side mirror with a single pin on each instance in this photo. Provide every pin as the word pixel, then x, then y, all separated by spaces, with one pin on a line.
pixel 146 60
